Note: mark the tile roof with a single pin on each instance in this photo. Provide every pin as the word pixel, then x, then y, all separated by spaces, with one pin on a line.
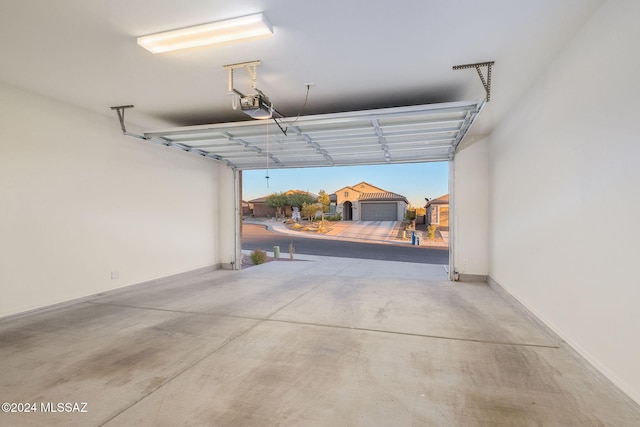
pixel 386 196
pixel 442 200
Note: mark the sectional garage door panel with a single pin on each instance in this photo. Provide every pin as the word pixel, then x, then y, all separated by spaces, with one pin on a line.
pixel 413 134
pixel 379 212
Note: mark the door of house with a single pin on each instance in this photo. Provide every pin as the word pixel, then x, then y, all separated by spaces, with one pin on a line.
pixel 347 211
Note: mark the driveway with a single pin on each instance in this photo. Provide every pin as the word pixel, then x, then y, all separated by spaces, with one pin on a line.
pixel 367 230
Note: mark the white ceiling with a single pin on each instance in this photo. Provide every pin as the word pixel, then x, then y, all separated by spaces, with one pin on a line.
pixel 359 54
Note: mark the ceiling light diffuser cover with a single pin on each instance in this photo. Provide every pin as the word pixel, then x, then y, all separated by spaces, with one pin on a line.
pixel 245 27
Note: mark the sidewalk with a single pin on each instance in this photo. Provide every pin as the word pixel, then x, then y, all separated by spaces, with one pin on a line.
pixel 355 231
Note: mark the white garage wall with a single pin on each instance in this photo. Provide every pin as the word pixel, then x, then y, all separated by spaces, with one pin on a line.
pixel 565 205
pixel 78 201
pixel 470 207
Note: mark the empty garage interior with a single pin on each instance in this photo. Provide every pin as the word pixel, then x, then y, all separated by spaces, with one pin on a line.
pixel 115 229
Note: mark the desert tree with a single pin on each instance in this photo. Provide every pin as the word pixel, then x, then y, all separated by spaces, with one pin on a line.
pixel 324 201
pixel 309 210
pixel 298 199
pixel 277 201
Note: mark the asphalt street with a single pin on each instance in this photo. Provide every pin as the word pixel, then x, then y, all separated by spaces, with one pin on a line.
pixel 257 236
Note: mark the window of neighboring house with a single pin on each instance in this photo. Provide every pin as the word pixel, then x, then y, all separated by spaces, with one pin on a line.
pixel 346 194
pixel 435 214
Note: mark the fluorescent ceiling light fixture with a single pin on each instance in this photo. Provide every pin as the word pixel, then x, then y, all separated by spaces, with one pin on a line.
pixel 245 27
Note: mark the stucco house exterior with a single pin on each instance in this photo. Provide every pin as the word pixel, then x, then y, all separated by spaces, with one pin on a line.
pixel 438 211
pixel 246 208
pixel 258 208
pixel 366 202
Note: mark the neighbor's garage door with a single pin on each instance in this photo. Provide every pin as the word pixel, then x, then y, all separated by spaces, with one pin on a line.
pixel 379 212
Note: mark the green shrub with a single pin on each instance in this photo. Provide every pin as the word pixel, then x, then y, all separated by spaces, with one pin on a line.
pixel 258 256
pixel 431 232
pixel 336 217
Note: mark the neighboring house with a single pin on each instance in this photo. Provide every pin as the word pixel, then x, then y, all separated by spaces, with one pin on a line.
pixel 246 210
pixel 438 211
pixel 259 208
pixel 365 202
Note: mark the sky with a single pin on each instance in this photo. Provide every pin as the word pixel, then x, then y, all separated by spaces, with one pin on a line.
pixel 415 181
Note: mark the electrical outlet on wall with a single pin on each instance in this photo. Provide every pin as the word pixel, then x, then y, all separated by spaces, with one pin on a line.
pixel 115 275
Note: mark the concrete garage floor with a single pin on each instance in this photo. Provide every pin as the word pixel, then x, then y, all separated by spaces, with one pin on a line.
pixel 328 342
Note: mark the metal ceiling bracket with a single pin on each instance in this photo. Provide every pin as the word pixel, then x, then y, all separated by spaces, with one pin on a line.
pixel 120 110
pixel 252 69
pixel 485 82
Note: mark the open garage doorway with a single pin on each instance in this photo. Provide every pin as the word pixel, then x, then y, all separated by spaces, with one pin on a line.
pixel 404 206
pixel 384 137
